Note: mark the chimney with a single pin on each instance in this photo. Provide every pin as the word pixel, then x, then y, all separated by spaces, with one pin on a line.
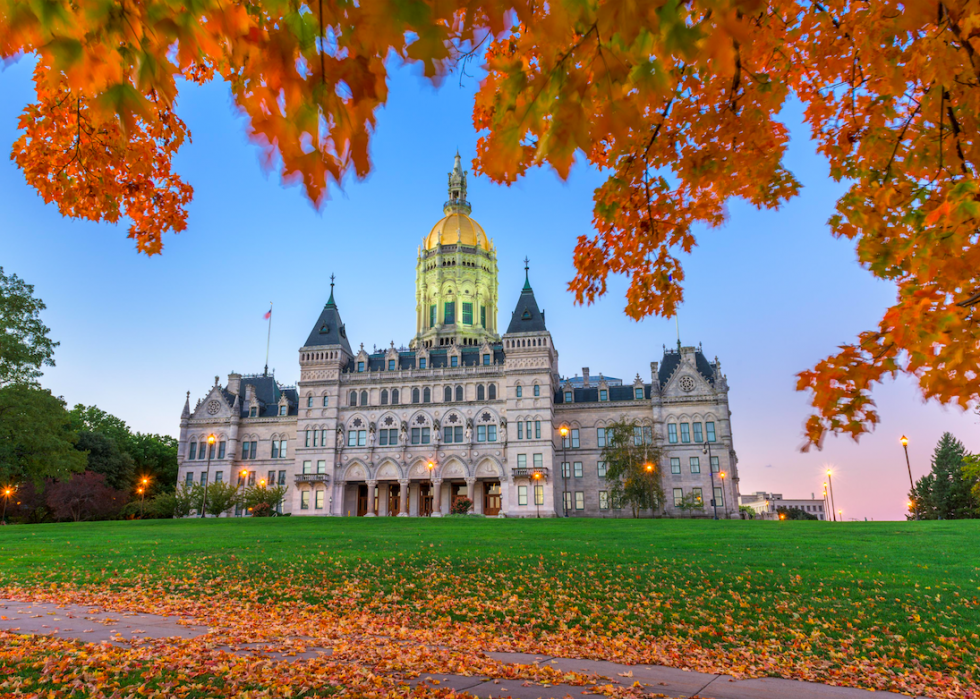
pixel 234 383
pixel 585 377
pixel 249 392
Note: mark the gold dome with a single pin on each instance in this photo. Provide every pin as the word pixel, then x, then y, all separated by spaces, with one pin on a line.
pixel 457 228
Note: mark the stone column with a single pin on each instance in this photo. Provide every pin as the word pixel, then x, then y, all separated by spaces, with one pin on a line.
pixel 471 494
pixel 437 497
pixel 403 498
pixel 371 485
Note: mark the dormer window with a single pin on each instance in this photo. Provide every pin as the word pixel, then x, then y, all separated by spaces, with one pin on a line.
pixel 603 394
pixel 486 360
pixel 454 361
pixel 360 367
pixel 391 365
pixel 421 362
pixel 283 409
pixel 253 411
pixel 638 393
pixel 568 396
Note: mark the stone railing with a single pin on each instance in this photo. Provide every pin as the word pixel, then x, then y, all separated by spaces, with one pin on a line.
pixel 529 471
pixel 312 478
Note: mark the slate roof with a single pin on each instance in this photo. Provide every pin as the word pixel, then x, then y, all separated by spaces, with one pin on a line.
pixel 438 358
pixel 329 329
pixel 577 381
pixel 672 360
pixel 527 318
pixel 591 395
pixel 267 392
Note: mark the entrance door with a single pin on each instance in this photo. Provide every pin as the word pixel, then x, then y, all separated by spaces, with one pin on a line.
pixel 456 493
pixel 362 495
pixel 394 500
pixel 491 498
pixel 425 500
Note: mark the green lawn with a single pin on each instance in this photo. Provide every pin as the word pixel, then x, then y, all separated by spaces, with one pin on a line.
pixel 896 594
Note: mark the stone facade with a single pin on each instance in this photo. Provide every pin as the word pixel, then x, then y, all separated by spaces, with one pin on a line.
pixel 461 411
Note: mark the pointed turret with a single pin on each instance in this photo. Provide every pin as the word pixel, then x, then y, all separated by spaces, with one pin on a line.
pixel 186 412
pixel 527 317
pixel 329 329
pixel 457 190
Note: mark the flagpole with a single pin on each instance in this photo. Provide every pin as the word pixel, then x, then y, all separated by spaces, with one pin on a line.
pixel 267 340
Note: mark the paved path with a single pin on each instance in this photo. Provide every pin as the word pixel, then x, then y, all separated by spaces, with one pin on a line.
pixel 91 624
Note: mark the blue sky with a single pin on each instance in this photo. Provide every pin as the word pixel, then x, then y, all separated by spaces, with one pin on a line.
pixel 769 293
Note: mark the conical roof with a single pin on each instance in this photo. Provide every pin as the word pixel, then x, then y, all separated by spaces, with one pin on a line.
pixel 527 317
pixel 329 329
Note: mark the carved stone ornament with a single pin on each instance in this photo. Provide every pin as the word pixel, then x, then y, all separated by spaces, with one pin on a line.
pixel 213 407
pixel 687 384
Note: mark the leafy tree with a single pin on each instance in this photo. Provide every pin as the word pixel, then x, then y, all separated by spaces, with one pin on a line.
pixel 24 343
pixel 944 493
pixel 748 511
pixel 28 505
pixel 691 503
pixel 632 468
pixel 262 501
pixel 971 476
pixel 678 103
pixel 180 502
pixel 36 439
pixel 84 496
pixel 105 457
pixel 93 419
pixel 222 497
pixel 794 513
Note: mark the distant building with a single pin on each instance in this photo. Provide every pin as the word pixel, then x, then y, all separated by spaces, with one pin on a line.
pixel 467 409
pixel 767 504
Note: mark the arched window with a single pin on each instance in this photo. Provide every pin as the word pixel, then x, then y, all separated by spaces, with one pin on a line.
pixel 394 396
pixel 481 392
pixel 325 400
pixel 309 401
pixel 384 396
pixel 492 391
pixel 415 395
pixel 447 394
pixel 426 395
pixel 364 400
pixel 353 398
pixel 459 394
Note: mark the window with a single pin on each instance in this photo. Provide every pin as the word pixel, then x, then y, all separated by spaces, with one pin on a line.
pixel 568 396
pixel 323 438
pixel 698 498
pixel 697 432
pixel 304 500
pixel 190 478
pixel 715 466
pixel 520 392
pixel 637 393
pixel 283 409
pixel 454 361
pixel 491 433
pixel 522 461
pixel 384 396
pixel 467 313
pixel 459 393
pixel 685 433
pixel 538 494
pixel 447 394
pixel 415 395
pixel 672 433
pixel 219 477
pixel 321 467
pixel 678 497
pixel 565 472
pixel 307 467
pixel 481 433
pixel 695 465
pixel 353 398
pixel 492 391
pixel 603 499
pixel 520 430
pixel 318 501
pixel 537 429
pixel 426 395
pixel 394 396
pixel 364 397
pixel 529 429
pixel 388 438
pixel 575 443
pixel 483 317
pixel 603 394
pixel 719 497
pixel 432 318
pixel 522 495
pixel 421 362
pixel 275 449
pixel 360 367
pixel 391 365
pixel 486 360
pixel 675 465
pixel 538 461
pixel 601 468
pixel 352 438
pixel 709 427
pixel 282 448
pixel 309 401
pixel 325 401
pixel 577 469
pixel 579 500
pixel 253 411
pixel 648 434
pixel 637 435
pixel 453 434
pixel 362 438
pixel 308 438
pixel 537 390
pixel 481 393
pixel 251 477
pixel 204 477
pixel 568 500
pixel 420 435
pixel 600 436
pixel 192 454
pixel 449 313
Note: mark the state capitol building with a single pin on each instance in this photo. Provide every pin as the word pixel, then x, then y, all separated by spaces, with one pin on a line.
pixel 464 410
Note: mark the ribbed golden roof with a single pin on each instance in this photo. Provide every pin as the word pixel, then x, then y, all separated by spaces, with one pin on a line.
pixel 457 228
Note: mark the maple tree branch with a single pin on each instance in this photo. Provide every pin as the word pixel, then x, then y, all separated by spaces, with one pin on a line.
pixel 955 128
pixel 561 61
pixel 958 33
pixel 898 142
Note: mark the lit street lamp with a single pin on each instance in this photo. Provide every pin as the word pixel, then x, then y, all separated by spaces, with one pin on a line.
pixel 537 505
pixel 207 477
pixel 905 445
pixel 722 474
pixel 706 449
pixel 142 491
pixel 7 492
pixel 563 431
pixel 830 481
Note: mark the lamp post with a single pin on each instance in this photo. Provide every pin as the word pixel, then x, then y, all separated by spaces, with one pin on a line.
pixel 722 474
pixel 207 477
pixel 706 449
pixel 830 482
pixel 537 505
pixel 905 445
pixel 432 489
pixel 142 491
pixel 826 501
pixel 7 492
pixel 243 475
pixel 563 431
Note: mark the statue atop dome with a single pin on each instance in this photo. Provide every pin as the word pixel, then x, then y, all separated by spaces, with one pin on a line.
pixel 457 190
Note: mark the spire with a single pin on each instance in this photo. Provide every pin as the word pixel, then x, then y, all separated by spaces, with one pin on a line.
pixel 186 412
pixel 527 279
pixel 330 302
pixel 329 329
pixel 457 190
pixel 527 317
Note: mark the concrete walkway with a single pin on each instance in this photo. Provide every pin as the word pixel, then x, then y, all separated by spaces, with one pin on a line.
pixel 93 625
